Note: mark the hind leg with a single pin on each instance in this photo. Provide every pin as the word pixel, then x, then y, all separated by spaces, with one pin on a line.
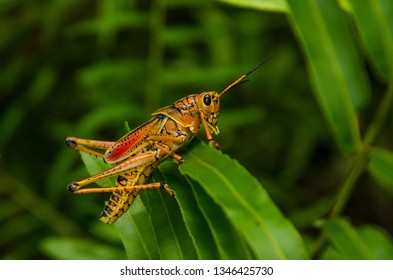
pixel 85 145
pixel 155 185
pixel 139 160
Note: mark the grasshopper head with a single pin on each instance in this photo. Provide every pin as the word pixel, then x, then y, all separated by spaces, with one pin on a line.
pixel 209 104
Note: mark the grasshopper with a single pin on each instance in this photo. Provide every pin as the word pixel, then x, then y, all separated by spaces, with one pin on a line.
pixel 140 151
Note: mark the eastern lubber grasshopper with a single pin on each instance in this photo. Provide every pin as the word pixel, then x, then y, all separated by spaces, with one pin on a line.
pixel 140 151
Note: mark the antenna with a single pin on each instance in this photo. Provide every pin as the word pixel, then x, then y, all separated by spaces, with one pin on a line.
pixel 238 81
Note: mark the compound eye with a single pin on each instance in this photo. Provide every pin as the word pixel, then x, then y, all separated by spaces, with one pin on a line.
pixel 207 99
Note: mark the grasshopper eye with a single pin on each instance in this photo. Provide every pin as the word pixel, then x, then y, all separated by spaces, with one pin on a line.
pixel 207 99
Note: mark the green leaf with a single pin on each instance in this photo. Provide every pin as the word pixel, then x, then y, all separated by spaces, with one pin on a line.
pixel 381 167
pixel 212 232
pixel 338 75
pixel 266 5
pixel 173 239
pixel 347 240
pixel 196 224
pixel 244 201
pixel 378 240
pixel 222 222
pixel 373 19
pixel 77 249
pixel 137 233
pixel 231 243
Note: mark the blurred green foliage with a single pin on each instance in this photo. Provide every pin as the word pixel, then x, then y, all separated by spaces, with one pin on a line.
pixel 303 125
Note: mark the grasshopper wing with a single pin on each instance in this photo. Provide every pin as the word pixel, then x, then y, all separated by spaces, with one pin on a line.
pixel 132 142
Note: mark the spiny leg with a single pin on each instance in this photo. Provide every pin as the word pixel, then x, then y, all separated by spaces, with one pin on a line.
pixel 153 141
pixel 128 164
pixel 150 186
pixel 208 133
pixel 84 145
pixel 175 156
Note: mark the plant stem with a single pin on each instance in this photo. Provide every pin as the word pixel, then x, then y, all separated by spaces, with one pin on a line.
pixel 356 169
pixel 358 165
pixel 156 54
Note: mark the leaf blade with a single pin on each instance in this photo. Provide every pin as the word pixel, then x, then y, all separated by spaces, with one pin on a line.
pixel 376 30
pixel 267 231
pixel 380 167
pixel 338 76
pixel 347 240
pixel 193 218
pixel 137 234
pixel 378 240
pixel 173 239
pixel 264 5
pixel 78 249
pixel 231 244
